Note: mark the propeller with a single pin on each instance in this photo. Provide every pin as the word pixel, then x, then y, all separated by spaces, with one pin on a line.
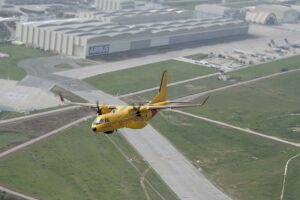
pixel 137 109
pixel 99 112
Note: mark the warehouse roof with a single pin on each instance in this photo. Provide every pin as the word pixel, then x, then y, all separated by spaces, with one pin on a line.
pixel 89 29
pixel 261 17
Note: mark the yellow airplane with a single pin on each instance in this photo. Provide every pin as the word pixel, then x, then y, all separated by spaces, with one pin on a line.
pixel 113 117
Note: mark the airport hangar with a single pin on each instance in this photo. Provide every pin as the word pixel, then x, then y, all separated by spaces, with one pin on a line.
pixel 88 37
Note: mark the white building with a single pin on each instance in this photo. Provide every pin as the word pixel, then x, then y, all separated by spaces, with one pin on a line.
pixel 111 5
pixel 272 14
pixel 82 37
pixel 139 16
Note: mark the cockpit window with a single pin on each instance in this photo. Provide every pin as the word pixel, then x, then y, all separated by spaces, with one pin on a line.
pixel 97 121
pixel 100 121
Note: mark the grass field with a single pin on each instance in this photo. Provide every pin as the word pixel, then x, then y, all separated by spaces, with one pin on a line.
pixel 147 76
pixel 244 166
pixel 6 196
pixel 78 165
pixel 8 66
pixel 267 69
pixel 8 140
pixel 197 56
pixel 190 88
pixel 209 83
pixel 292 180
pixel 269 106
pixel 8 115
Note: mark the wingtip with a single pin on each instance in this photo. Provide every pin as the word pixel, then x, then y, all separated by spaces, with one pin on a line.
pixel 62 99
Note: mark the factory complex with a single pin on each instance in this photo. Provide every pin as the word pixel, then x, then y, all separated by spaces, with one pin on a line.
pixel 99 33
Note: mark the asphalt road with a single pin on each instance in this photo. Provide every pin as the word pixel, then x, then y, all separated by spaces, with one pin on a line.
pixel 182 177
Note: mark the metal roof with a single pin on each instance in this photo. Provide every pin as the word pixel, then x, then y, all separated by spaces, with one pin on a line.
pixel 88 29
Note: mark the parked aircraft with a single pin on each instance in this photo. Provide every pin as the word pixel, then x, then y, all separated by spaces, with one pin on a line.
pixel 285 47
pixel 275 49
pixel 291 45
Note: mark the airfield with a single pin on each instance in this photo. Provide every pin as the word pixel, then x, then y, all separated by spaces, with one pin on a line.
pixel 208 153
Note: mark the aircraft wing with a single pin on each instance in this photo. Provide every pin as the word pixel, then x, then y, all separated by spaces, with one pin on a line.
pixel 90 105
pixel 177 106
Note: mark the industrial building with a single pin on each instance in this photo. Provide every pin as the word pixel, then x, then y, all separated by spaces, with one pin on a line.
pixel 139 16
pixel 212 9
pixel 271 14
pixel 111 5
pixel 82 37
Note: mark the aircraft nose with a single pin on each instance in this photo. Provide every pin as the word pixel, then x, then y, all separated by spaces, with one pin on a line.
pixel 94 129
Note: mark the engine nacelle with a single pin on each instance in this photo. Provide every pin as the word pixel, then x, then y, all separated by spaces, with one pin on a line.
pixel 105 109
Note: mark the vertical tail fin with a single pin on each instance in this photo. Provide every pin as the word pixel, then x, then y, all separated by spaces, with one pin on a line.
pixel 273 43
pixel 286 41
pixel 162 93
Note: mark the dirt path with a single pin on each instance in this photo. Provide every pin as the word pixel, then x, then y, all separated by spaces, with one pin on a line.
pixel 285 173
pixel 142 182
pixel 16 193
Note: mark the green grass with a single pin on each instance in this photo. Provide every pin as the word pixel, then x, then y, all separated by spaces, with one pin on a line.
pixel 147 76
pixel 267 68
pixel 210 83
pixel 8 66
pixel 246 167
pixel 292 184
pixel 198 56
pixel 266 106
pixel 77 165
pixel 9 115
pixel 8 140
